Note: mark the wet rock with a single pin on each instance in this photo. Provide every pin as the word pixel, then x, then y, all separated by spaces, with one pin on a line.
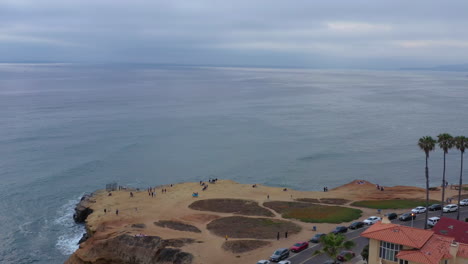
pixel 82 209
pixel 83 238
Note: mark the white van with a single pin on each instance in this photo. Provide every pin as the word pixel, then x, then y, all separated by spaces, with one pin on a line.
pixel 433 221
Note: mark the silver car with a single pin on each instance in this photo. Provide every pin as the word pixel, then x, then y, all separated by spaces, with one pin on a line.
pixel 450 208
pixel 433 221
pixel 372 220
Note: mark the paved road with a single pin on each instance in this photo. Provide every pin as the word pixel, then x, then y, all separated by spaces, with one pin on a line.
pixel 305 257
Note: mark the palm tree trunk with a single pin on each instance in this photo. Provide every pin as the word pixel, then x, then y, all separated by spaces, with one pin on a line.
pixel 427 192
pixel 460 186
pixel 443 188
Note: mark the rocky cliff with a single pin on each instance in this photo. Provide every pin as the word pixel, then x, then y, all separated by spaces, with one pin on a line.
pixel 102 248
pixel 128 249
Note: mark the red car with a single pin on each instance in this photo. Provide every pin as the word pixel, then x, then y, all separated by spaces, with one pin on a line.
pixel 345 255
pixel 299 246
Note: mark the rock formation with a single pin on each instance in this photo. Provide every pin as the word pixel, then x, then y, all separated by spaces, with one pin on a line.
pixel 128 249
pixel 82 209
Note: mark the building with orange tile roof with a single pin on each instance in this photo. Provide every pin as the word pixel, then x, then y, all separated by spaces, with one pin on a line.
pixel 392 243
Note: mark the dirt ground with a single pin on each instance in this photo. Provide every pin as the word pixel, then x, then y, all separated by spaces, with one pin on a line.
pixel 144 210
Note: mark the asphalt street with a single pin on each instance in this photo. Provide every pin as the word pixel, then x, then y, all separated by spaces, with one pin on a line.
pixel 306 256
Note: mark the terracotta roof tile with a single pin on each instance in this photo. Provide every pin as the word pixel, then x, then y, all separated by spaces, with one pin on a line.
pixel 462 250
pixel 435 249
pixel 397 234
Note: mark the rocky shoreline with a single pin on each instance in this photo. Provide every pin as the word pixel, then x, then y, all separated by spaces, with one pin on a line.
pixel 124 248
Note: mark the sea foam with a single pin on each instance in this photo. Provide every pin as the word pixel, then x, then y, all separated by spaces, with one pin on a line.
pixel 70 232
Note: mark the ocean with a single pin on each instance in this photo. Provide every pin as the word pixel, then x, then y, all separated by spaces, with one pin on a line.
pixel 69 129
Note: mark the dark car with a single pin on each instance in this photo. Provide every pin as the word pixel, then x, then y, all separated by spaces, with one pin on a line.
pixel 356 225
pixel 407 216
pixel 345 255
pixel 340 229
pixel 435 207
pixel 392 216
pixel 279 254
pixel 316 238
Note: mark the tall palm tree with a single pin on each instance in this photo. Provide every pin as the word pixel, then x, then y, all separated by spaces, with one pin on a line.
pixel 427 144
pixel 333 244
pixel 461 143
pixel 445 141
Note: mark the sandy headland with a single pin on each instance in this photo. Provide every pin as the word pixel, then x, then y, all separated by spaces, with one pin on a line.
pixel 228 222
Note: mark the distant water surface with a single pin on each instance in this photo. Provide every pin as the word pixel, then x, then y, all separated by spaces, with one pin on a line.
pixel 70 129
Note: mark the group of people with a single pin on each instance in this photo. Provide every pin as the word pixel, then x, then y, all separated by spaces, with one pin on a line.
pixel 285 235
pixel 379 187
pixel 213 180
pixel 152 191
pixel 325 189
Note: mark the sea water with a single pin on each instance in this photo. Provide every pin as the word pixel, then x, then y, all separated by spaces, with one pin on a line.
pixel 70 129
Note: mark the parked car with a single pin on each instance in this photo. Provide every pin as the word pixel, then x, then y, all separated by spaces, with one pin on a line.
pixel 263 262
pixel 464 202
pixel 450 208
pixel 407 216
pixel 372 220
pixel 391 216
pixel 435 207
pixel 299 246
pixel 279 254
pixel 316 238
pixel 345 255
pixel 356 225
pixel 433 221
pixel 340 229
pixel 419 210
pixel 284 262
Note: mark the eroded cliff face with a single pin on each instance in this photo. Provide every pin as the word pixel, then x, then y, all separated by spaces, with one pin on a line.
pixel 128 249
pixel 82 209
pixel 104 248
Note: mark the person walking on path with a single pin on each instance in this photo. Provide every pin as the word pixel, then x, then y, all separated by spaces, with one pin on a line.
pixel 268 196
pixel 277 236
pixel 286 234
pixel 226 237
pixel 117 212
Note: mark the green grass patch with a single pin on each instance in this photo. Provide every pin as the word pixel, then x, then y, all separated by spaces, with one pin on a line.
pixel 314 213
pixel 392 204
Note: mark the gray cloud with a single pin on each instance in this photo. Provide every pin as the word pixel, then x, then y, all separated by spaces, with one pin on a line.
pixel 360 33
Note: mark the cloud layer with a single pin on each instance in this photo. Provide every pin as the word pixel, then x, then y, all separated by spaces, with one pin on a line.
pixel 358 33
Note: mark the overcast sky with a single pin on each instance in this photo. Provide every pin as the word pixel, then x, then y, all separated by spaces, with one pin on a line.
pixel 302 33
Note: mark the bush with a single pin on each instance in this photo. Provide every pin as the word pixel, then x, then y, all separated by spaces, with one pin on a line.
pixel 365 253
